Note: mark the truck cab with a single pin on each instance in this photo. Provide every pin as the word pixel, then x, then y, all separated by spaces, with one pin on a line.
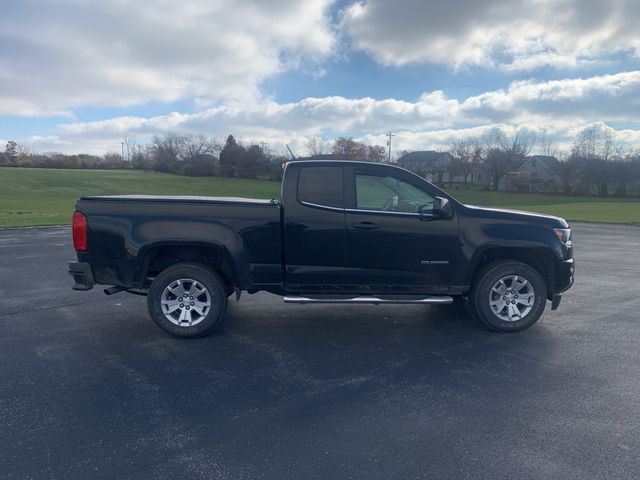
pixel 368 228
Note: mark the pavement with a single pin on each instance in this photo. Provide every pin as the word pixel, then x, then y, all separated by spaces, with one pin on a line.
pixel 90 388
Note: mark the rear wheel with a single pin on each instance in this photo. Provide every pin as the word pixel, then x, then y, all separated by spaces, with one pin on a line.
pixel 187 300
pixel 508 296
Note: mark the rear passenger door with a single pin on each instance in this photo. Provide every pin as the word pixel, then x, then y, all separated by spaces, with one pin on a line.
pixel 314 226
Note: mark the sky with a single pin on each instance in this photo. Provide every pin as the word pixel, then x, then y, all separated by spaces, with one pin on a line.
pixel 78 76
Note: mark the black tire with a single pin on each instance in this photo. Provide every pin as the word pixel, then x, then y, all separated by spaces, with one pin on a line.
pixel 208 318
pixel 480 299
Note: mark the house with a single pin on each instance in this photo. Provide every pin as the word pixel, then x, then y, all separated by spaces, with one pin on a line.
pixel 538 173
pixel 432 165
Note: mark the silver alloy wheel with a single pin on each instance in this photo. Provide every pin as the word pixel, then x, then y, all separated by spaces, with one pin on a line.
pixel 185 302
pixel 511 298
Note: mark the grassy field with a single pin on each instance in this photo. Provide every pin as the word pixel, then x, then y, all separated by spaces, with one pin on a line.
pixel 41 196
pixel 586 209
pixel 47 196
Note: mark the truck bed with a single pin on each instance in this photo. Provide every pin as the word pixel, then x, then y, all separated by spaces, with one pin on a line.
pixel 124 230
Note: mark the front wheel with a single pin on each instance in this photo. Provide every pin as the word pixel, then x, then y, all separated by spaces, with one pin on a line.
pixel 508 296
pixel 187 300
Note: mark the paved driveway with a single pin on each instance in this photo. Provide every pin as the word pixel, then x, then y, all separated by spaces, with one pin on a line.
pixel 90 388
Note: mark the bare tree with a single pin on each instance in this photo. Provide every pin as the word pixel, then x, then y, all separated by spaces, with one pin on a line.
pixel 466 157
pixel 253 163
pixel 519 143
pixel 635 169
pixel 376 153
pixel 497 164
pixel 596 142
pixel 167 150
pixel 547 146
pixel 593 148
pixel 503 152
pixel 567 171
pixel 130 145
pixel 438 168
pixel 23 154
pixel 349 149
pixel 316 146
pixel 195 146
pixel 622 172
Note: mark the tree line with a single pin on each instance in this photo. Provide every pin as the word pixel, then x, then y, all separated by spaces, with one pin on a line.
pixel 596 164
pixel 192 155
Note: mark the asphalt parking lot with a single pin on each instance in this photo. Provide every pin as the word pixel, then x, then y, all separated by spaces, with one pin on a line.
pixel 90 388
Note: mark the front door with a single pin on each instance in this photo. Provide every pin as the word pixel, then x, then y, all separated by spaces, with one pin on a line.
pixel 390 245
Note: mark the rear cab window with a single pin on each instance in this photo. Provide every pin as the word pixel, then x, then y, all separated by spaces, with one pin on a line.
pixel 321 186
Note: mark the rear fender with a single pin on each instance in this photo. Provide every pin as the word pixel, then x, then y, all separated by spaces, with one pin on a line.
pixel 190 234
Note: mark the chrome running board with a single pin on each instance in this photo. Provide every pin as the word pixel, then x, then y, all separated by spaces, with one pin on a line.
pixel 441 300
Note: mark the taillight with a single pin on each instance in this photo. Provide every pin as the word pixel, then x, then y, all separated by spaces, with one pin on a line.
pixel 79 231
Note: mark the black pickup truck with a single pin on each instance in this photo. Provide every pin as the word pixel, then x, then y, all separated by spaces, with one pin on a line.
pixel 343 232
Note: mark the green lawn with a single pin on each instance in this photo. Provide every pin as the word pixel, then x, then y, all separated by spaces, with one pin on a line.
pixel 587 209
pixel 41 196
pixel 30 196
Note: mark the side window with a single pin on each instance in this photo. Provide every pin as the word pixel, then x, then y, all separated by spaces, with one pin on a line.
pixel 388 194
pixel 321 186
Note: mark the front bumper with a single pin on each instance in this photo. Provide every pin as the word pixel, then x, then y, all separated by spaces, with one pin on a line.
pixel 566 274
pixel 82 275
pixel 564 281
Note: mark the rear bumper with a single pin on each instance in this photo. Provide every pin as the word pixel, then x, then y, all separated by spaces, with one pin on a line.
pixel 82 276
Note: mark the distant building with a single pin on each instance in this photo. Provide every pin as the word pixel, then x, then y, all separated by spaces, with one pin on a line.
pixel 208 157
pixel 538 173
pixel 431 165
pixel 535 173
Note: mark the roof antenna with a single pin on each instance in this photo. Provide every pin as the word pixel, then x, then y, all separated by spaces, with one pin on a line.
pixel 294 157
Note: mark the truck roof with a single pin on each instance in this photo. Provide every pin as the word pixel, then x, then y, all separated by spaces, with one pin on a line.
pixel 327 163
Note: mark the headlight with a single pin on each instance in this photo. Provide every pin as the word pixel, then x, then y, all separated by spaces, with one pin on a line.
pixel 564 235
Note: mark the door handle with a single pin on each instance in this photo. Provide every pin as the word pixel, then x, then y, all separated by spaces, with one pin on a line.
pixel 365 225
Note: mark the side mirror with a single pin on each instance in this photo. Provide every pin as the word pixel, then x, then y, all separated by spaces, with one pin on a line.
pixel 442 207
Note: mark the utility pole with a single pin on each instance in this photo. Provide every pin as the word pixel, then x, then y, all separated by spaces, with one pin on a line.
pixel 390 135
pixel 122 145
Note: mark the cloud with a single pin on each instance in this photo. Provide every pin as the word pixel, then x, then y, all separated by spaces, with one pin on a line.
pixel 440 139
pixel 266 118
pixel 556 106
pixel 511 34
pixel 608 97
pixel 561 135
pixel 59 54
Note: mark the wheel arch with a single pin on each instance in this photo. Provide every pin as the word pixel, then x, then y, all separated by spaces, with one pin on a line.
pixel 157 257
pixel 540 259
